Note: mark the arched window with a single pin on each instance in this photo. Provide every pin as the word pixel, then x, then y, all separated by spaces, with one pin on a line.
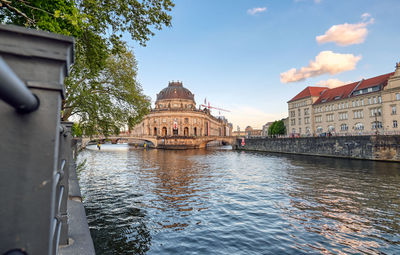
pixel 164 131
pixel 359 126
pixel 319 129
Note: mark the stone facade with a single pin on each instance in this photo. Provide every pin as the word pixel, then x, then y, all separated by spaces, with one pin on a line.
pixel 365 107
pixel 175 114
pixel 358 147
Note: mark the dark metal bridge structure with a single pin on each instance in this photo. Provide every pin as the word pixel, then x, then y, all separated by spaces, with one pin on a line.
pixel 41 209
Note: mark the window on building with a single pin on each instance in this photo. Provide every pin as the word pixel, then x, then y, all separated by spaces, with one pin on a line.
pixel 186 120
pixel 393 109
pixel 374 99
pixel 395 123
pixel 347 104
pixel 331 129
pixel 362 102
pixel 306 111
pixel 376 124
pixel 300 130
pixel 293 131
pixel 319 129
pixel 359 126
pixel 397 96
pixel 299 121
pixel 343 116
pixel 379 99
pixel 299 112
pixel 329 117
pixel 344 127
pixel 376 112
pixel 318 119
pixel 369 100
pixel 292 122
pixel 359 114
pixel 307 120
pixel 353 103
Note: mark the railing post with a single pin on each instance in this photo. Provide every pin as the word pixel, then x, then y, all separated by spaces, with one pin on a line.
pixel 65 162
pixel 29 174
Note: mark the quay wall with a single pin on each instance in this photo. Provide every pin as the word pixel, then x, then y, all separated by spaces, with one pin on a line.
pixel 373 147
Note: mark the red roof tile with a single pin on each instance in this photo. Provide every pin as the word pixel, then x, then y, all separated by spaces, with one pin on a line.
pixel 338 92
pixel 341 92
pixel 374 81
pixel 308 92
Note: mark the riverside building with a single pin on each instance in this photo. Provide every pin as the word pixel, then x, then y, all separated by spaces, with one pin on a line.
pixel 175 114
pixel 369 106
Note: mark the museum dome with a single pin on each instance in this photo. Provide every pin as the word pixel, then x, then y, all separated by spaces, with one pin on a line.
pixel 175 90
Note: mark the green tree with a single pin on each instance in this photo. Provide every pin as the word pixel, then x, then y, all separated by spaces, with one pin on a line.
pixel 271 129
pixel 109 100
pixel 101 90
pixel 277 128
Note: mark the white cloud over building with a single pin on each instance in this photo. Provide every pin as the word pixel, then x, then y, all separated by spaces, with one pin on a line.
pixel 332 83
pixel 326 62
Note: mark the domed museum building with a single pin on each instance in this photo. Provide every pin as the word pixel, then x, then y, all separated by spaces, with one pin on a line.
pixel 175 115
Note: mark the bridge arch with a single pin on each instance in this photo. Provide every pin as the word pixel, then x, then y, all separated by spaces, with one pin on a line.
pixel 228 140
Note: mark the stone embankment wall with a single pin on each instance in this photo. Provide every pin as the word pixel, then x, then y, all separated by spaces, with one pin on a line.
pixel 357 147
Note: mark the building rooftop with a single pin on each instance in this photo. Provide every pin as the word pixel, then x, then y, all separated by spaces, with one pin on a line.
pixel 327 95
pixel 309 92
pixel 175 90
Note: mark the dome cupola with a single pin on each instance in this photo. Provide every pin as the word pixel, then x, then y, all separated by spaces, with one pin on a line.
pixel 175 90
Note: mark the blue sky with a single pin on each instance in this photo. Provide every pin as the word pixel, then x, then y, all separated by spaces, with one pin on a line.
pixel 233 52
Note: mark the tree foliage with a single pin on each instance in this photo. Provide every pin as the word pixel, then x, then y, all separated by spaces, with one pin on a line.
pixel 109 100
pixel 277 128
pixel 101 90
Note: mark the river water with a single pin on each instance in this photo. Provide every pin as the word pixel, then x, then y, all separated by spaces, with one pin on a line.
pixel 219 201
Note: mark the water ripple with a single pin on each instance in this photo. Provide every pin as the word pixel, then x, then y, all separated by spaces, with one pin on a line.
pixel 228 202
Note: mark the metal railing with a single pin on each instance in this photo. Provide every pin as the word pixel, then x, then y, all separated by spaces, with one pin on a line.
pixel 36 151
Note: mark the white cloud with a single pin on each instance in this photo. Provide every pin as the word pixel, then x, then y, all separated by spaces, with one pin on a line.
pixel 256 10
pixel 332 83
pixel 365 16
pixel 243 116
pixel 325 62
pixel 347 34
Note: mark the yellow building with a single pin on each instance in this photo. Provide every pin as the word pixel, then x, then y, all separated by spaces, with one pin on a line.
pixel 364 107
pixel 175 114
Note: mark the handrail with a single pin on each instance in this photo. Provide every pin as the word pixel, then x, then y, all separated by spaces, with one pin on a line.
pixel 14 92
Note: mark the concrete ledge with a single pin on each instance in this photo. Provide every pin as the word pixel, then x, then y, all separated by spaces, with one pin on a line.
pixel 74 190
pixel 80 241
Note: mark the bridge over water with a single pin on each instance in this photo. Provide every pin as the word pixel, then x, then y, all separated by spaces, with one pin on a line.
pixel 167 142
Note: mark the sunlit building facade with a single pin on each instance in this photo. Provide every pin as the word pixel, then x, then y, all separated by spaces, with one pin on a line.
pixel 368 106
pixel 175 114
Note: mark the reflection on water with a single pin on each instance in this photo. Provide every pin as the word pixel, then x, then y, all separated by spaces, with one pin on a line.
pixel 227 202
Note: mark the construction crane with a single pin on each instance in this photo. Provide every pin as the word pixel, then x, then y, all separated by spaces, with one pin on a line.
pixel 212 107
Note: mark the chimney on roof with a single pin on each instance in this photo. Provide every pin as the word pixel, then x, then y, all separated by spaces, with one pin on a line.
pixel 397 71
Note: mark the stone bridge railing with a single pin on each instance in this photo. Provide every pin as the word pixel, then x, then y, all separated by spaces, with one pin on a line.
pixel 40 205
